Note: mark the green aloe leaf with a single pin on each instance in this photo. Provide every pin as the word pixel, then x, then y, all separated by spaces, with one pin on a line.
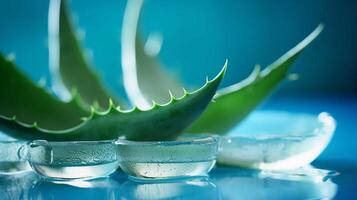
pixel 29 112
pixel 150 69
pixel 144 79
pixel 234 103
pixel 160 122
pixel 23 104
pixel 69 66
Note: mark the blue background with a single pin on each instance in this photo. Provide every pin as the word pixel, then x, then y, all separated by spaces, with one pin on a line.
pixel 199 35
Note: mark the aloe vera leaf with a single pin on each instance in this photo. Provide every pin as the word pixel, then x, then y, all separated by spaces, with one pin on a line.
pixel 144 79
pixel 28 105
pixel 234 103
pixel 28 112
pixel 69 66
pixel 160 122
pixel 157 91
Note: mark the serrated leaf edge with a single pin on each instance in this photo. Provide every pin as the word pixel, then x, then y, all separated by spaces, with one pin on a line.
pixel 94 113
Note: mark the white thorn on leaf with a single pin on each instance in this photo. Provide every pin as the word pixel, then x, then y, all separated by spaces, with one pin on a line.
pixel 153 44
pixel 171 95
pixel 293 77
pixel 42 82
pixel 11 57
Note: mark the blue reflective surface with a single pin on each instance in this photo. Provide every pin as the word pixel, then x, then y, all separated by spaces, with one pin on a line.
pixel 224 182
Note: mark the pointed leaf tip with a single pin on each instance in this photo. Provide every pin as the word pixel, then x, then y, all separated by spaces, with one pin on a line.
pixel 235 102
pixel 221 74
pixel 136 124
pixel 111 104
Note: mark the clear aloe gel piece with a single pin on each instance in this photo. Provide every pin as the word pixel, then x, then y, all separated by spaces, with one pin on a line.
pixel 275 140
pixel 73 160
pixel 186 157
pixel 13 157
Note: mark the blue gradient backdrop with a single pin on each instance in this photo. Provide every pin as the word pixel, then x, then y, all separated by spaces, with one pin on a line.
pixel 199 35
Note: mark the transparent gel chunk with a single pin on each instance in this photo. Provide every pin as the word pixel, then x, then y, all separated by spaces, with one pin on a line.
pixel 73 160
pixel 272 140
pixel 13 157
pixel 169 159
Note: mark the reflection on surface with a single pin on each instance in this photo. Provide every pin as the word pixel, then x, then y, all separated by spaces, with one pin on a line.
pixel 16 186
pixel 224 183
pixel 306 173
pixel 105 188
pixel 253 184
pixel 200 188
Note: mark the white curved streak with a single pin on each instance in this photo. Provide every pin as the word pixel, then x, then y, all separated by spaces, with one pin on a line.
pixel 54 51
pixel 128 54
